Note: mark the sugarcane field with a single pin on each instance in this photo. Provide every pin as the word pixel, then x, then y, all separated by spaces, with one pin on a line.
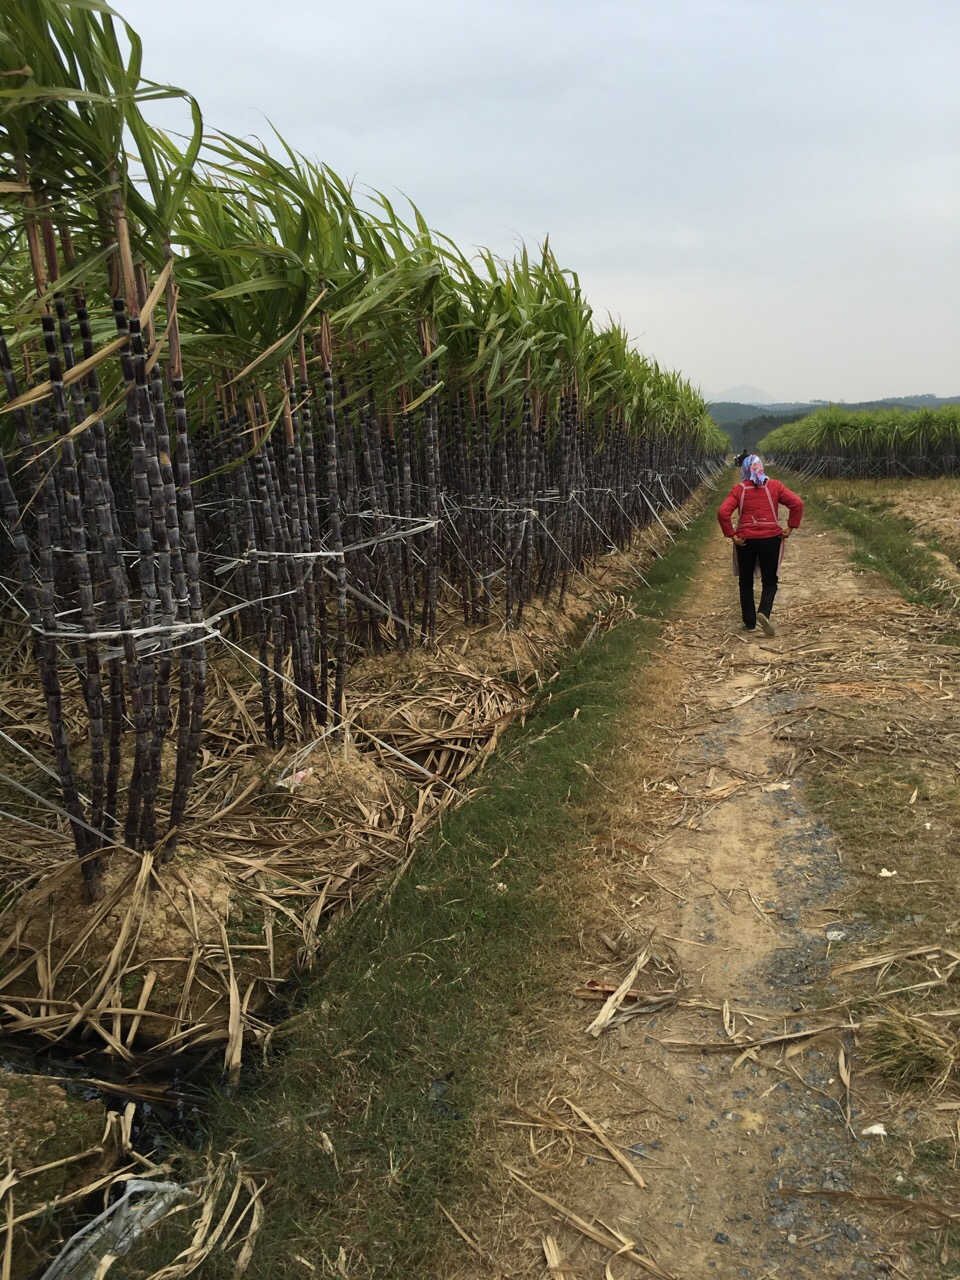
pixel 474 805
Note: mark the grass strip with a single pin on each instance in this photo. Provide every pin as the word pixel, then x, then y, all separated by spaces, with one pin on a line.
pixel 894 809
pixel 885 540
pixel 364 1118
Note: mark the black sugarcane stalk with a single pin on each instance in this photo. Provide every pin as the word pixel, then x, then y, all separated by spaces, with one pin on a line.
pixel 99 431
pixel 310 526
pixel 260 464
pixel 526 497
pixel 385 459
pixel 181 586
pixel 77 528
pixel 39 601
pixel 509 544
pixel 317 578
pixel 428 620
pixel 190 728
pixel 303 460
pixel 564 529
pixel 406 509
pixel 254 568
pixel 369 557
pixel 100 499
pixel 382 525
pixel 299 567
pixel 333 519
pixel 159 667
pixel 485 516
pixel 464 490
pixel 140 671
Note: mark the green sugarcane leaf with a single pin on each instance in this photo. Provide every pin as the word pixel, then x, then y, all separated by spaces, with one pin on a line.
pixel 82 271
pixel 423 397
pixel 243 287
pixel 91 6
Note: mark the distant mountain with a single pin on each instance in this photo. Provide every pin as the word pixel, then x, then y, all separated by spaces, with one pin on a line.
pixel 745 394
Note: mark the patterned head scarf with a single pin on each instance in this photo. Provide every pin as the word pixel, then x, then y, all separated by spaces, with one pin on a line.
pixel 752 470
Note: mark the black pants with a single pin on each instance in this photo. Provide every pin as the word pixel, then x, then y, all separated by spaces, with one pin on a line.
pixel 766 552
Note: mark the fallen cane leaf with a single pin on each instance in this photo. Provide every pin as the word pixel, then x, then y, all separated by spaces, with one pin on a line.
pixel 603 1018
pixel 605 1142
pixel 603 1238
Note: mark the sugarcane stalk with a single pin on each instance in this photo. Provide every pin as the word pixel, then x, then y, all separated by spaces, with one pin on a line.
pixel 333 519
pixel 140 666
pixel 428 620
pixel 162 521
pixel 38 599
pixel 76 526
pixel 193 672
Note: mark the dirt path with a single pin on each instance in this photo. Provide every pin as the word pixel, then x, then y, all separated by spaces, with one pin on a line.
pixel 716 864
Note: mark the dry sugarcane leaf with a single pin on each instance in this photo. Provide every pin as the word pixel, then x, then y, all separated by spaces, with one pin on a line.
pixel 54 1164
pixel 843 1068
pixel 79 370
pixel 156 293
pixel 75 431
pixel 247 792
pixel 464 1235
pixel 613 1003
pixel 790 1037
pixel 257 1215
pixel 601 1137
pixel 947 1213
pixel 190 1257
pixel 729 1022
pixel 233 1052
pixel 603 1238
pixel 149 980
pixel 113 961
pixel 287 337
pixel 554 1258
pixel 71 1197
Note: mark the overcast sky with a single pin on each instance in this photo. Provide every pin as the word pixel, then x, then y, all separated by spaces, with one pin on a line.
pixel 764 191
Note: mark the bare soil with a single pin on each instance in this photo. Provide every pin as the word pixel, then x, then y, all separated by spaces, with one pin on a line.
pixel 55 1143
pixel 710 860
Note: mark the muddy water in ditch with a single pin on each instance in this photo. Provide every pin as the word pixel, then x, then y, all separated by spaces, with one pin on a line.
pixel 715 848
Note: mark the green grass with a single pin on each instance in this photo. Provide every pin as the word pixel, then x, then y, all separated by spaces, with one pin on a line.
pixel 396 1042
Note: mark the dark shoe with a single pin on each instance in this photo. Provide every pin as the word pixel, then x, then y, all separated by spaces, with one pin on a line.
pixel 766 625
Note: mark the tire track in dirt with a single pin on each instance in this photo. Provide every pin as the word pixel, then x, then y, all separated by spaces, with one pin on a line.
pixel 715 857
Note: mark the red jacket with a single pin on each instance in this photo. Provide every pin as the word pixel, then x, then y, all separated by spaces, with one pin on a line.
pixel 758 507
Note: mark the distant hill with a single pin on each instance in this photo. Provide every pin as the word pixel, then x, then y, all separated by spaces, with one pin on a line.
pixel 732 412
pixel 746 423
pixel 745 394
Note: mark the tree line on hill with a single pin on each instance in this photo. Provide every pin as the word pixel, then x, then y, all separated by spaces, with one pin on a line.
pixel 745 424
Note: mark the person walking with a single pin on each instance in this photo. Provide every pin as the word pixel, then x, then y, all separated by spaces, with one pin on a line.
pixel 758 538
